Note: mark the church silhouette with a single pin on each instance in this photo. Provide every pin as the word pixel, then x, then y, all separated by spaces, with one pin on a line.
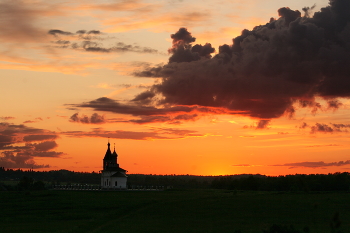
pixel 112 175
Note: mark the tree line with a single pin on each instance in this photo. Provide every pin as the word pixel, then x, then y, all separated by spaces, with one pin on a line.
pixel 253 182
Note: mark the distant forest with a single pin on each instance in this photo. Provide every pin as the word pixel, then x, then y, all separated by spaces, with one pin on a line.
pixel 9 178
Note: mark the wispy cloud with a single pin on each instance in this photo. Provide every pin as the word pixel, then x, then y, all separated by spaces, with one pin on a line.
pixel 154 133
pixel 6 118
pixel 319 164
pixel 246 165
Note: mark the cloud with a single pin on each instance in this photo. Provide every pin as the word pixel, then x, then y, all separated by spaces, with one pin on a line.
pixel 178 119
pixel 92 41
pixel 18 20
pixel 327 145
pixel 140 107
pixel 321 128
pixel 262 124
pixel 326 128
pixel 124 5
pixel 266 71
pixel 31 121
pixel 154 133
pixel 45 146
pixel 19 151
pixel 94 119
pixel 7 118
pixel 134 21
pixel 39 137
pixel 319 164
pixel 11 160
pixel 56 32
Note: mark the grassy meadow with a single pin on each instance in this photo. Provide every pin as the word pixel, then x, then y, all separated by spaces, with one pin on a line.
pixel 171 211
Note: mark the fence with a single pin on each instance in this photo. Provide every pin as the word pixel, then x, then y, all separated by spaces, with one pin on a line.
pixel 99 188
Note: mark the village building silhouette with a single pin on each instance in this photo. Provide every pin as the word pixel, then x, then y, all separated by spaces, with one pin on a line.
pixel 112 175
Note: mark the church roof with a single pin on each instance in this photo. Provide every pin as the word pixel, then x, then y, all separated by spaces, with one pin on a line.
pixel 119 174
pixel 115 153
pixel 115 167
pixel 108 153
pixel 110 161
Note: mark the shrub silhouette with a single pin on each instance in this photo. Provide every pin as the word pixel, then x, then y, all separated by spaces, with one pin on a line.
pixel 284 229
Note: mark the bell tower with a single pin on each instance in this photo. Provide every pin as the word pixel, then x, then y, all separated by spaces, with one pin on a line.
pixel 112 175
pixel 107 160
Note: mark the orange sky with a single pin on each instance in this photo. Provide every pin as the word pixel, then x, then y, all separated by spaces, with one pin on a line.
pixel 75 74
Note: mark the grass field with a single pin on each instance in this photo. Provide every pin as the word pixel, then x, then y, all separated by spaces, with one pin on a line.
pixel 170 211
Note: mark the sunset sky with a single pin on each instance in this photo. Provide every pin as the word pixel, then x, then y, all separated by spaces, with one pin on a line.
pixel 201 87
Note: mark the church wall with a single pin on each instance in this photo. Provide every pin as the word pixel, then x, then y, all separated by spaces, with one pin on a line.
pixel 118 182
pixel 110 182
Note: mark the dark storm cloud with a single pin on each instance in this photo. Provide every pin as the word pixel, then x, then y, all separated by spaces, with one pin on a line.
pixel 16 155
pixel 183 51
pixel 94 119
pixel 319 164
pixel 86 40
pixel 288 15
pixel 267 70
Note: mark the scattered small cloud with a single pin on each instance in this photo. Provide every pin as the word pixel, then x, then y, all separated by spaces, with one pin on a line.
pixel 84 119
pixel 92 41
pixel 262 124
pixel 325 128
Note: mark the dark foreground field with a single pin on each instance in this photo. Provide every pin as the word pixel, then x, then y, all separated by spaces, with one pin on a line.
pixel 171 211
